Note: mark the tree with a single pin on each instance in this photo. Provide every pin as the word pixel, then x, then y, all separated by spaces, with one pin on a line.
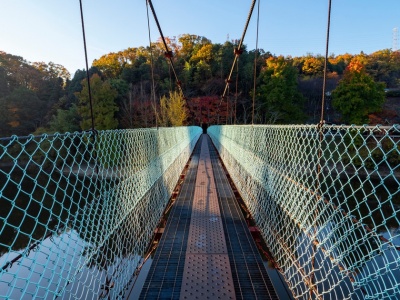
pixel 65 120
pixel 357 94
pixel 173 111
pixel 162 115
pixel 104 106
pixel 111 64
pixel 190 44
pixel 203 54
pixel 384 66
pixel 4 115
pixel 313 66
pixel 4 89
pixel 25 111
pixel 278 93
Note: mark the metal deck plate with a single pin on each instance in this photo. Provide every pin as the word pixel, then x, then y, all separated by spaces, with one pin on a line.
pixel 207 276
pixel 207 272
pixel 206 250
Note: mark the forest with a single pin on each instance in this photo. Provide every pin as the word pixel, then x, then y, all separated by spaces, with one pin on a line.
pixel 136 88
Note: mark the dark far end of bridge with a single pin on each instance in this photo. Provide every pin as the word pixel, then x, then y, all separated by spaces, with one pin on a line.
pixel 206 250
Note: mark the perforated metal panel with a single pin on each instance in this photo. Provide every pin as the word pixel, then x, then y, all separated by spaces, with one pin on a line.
pixel 207 272
pixel 207 277
pixel 205 236
pixel 214 262
pixel 165 276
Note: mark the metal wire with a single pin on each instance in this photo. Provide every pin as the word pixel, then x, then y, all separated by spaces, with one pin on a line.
pixel 168 52
pixel 153 89
pixel 326 61
pixel 334 231
pixel 87 65
pixel 71 232
pixel 237 51
pixel 255 64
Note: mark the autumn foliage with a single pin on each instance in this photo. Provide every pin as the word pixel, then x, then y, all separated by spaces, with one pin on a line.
pixel 137 83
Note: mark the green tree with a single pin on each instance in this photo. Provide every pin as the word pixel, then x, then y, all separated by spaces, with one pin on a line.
pixel 104 106
pixel 278 93
pixel 357 94
pixel 384 66
pixel 66 120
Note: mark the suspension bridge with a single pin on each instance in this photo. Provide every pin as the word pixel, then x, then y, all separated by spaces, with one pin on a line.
pixel 82 214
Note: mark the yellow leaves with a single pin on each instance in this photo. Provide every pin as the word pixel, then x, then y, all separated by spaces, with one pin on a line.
pixel 313 65
pixel 357 64
pixel 204 54
pixel 277 64
pixel 173 111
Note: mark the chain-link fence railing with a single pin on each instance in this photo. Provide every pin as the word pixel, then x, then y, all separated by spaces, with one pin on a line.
pixel 79 210
pixel 327 201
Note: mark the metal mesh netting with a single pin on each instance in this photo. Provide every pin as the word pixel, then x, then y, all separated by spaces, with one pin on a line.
pixel 78 211
pixel 327 201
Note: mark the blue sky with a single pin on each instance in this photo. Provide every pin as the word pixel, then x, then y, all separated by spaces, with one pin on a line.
pixel 50 30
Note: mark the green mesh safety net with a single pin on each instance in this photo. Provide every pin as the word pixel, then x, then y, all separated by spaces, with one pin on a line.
pixel 78 210
pixel 327 201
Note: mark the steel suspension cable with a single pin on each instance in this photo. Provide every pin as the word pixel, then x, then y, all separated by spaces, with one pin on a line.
pixel 326 62
pixel 91 115
pixel 238 50
pixel 318 165
pixel 228 114
pixel 168 53
pixel 236 93
pixel 87 65
pixel 151 64
pixel 255 64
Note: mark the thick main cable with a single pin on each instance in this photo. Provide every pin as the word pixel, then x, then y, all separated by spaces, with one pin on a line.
pixel 238 51
pixel 168 53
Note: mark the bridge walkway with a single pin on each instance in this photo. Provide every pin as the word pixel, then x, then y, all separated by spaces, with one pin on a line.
pixel 206 250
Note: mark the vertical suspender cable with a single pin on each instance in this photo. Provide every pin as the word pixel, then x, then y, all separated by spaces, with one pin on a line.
pixel 87 65
pixel 153 89
pixel 255 64
pixel 236 94
pixel 91 114
pixel 326 62
pixel 314 286
pixel 228 114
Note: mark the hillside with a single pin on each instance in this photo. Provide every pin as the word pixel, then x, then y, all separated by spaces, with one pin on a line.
pixel 40 97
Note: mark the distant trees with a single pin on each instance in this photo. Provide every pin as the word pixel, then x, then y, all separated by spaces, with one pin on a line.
pixel 104 106
pixel 65 120
pixel 28 93
pixel 288 90
pixel 25 111
pixel 384 66
pixel 313 66
pixel 357 94
pixel 278 94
